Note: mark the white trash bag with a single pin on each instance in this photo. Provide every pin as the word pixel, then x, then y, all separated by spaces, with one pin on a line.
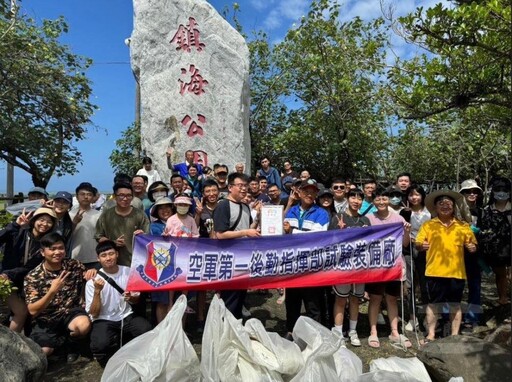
pixel 386 376
pixel 162 354
pixel 410 366
pixel 272 350
pixel 237 360
pixel 229 354
pixel 213 328
pixel 324 353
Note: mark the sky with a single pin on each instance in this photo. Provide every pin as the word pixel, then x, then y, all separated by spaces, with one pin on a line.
pixel 98 29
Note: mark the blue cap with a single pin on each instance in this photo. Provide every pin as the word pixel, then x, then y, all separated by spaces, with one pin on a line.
pixel 64 195
pixel 38 190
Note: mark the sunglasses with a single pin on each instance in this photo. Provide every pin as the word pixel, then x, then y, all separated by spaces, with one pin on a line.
pixel 338 187
pixel 472 191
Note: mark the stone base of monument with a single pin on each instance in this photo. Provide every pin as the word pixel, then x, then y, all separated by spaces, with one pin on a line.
pixel 462 356
pixel 21 359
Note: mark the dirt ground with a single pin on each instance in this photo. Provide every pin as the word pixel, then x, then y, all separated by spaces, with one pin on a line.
pixel 262 305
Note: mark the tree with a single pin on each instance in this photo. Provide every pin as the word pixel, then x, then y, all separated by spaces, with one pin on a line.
pixel 467 64
pixel 44 102
pixel 126 157
pixel 323 82
pixel 456 97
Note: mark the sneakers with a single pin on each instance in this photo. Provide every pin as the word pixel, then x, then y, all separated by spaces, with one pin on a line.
pixel 411 324
pixel 354 339
pixel 380 319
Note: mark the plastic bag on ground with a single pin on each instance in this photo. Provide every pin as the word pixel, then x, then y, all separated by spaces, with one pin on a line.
pixel 272 350
pixel 325 356
pixel 229 354
pixel 162 354
pixel 236 358
pixel 386 376
pixel 213 327
pixel 411 366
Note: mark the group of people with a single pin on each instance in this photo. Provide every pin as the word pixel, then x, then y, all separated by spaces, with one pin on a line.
pixel 70 256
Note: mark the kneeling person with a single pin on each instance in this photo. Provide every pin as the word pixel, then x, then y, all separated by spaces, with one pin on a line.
pixel 53 297
pixel 109 305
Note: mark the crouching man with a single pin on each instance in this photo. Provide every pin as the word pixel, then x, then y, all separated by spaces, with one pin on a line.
pixel 53 296
pixel 114 323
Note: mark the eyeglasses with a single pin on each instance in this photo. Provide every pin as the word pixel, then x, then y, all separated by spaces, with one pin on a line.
pixel 240 185
pixel 445 203
pixel 338 187
pixel 124 196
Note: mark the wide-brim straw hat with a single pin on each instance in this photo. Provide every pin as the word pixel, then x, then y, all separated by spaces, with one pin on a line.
pixel 462 211
pixel 159 202
pixel 43 211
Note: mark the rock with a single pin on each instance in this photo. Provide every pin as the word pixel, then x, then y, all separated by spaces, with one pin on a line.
pixel 193 70
pixel 501 336
pixel 462 356
pixel 21 358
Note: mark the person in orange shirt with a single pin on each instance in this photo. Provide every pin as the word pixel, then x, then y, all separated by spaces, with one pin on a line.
pixel 444 238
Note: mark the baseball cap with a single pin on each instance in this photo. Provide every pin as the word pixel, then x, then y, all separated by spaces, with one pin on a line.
pixel 64 195
pixel 309 183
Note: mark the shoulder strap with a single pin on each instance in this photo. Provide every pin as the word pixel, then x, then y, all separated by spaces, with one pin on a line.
pixel 367 209
pixel 237 219
pixel 112 282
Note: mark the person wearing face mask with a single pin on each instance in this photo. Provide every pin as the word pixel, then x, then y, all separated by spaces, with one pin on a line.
pixel 181 224
pixel 156 191
pixel 395 199
pixel 495 236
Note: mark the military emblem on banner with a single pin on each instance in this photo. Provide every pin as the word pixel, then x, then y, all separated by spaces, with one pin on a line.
pixel 160 268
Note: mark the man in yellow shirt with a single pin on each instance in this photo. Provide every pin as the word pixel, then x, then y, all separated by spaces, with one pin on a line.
pixel 444 238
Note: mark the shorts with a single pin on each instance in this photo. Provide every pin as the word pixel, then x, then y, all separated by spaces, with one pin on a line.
pixel 391 288
pixel 160 297
pixel 54 334
pixel 444 289
pixel 345 290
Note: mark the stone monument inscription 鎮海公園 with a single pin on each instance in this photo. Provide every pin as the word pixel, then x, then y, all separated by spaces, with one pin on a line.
pixel 193 72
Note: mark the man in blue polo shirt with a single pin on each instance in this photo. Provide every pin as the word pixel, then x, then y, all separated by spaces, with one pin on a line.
pixel 182 168
pixel 304 217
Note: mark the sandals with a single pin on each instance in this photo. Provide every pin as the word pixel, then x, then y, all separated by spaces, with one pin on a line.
pixel 426 341
pixel 400 340
pixel 373 342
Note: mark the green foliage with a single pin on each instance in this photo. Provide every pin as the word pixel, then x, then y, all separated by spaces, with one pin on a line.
pixel 126 157
pixel 467 64
pixel 318 97
pixel 6 288
pixel 457 95
pixel 5 218
pixel 44 103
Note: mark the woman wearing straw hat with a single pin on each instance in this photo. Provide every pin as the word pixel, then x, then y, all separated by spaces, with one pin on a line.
pixel 444 238
pixel 22 253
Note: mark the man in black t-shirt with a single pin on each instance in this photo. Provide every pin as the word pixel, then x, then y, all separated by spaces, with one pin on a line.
pixel 231 220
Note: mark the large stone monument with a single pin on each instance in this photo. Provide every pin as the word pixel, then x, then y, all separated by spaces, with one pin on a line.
pixel 193 71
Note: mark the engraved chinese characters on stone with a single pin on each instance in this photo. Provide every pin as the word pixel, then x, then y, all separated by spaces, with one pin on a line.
pixel 193 127
pixel 195 85
pixel 187 36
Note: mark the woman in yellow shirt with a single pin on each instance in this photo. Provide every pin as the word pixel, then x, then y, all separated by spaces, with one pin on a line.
pixel 444 238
